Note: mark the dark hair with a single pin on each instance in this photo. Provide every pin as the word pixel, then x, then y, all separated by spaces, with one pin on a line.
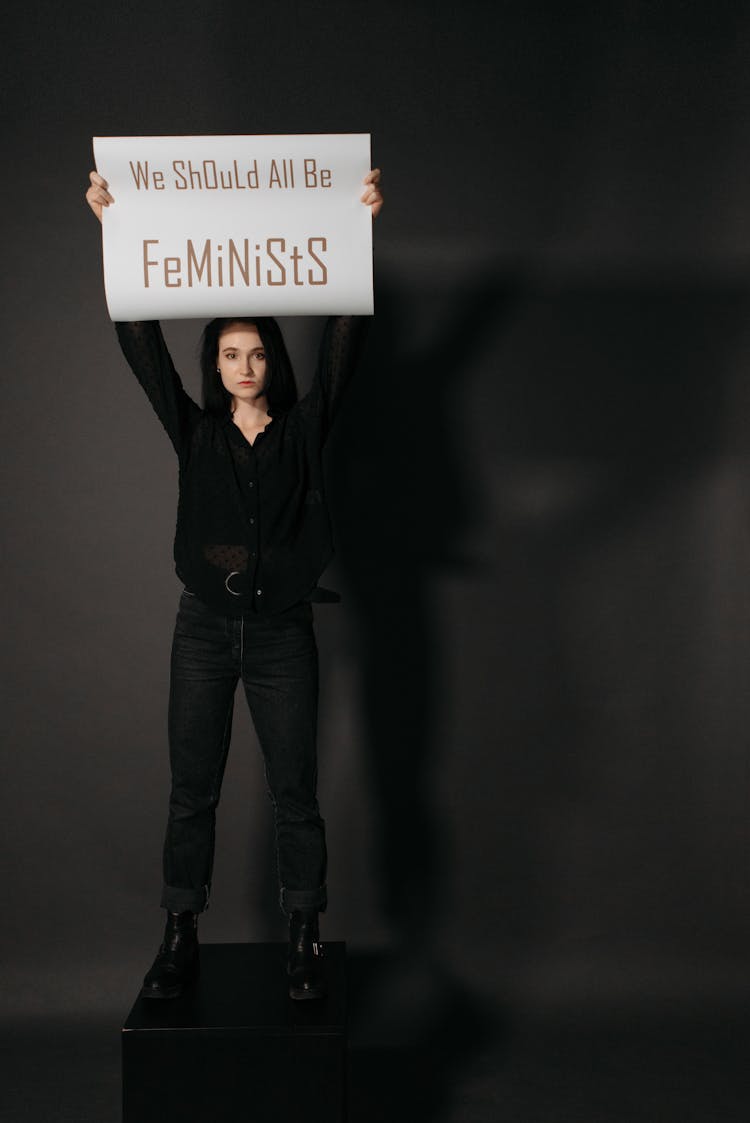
pixel 281 387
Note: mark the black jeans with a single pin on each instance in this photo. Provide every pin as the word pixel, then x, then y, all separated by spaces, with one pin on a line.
pixel 277 660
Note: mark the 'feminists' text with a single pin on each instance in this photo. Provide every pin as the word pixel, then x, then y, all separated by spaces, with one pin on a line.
pixel 233 264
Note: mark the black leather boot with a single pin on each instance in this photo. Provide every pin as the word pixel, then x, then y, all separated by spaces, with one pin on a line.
pixel 305 968
pixel 176 963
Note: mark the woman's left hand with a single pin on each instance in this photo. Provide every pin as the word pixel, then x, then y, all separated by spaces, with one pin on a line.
pixel 373 193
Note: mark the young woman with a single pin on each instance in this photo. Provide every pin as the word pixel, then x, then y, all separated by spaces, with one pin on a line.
pixel 252 538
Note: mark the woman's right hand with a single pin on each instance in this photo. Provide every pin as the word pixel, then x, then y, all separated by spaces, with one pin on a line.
pixel 97 195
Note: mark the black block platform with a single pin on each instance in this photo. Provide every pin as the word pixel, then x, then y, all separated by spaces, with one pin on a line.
pixel 236 1047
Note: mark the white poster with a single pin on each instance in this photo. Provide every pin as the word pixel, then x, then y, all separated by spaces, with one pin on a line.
pixel 236 225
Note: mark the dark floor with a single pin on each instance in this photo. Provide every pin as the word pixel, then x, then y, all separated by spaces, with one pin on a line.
pixel 449 1059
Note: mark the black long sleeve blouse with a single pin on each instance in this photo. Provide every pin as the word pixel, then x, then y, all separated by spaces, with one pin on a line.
pixel 253 531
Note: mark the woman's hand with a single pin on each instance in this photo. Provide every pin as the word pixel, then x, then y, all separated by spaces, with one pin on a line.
pixel 373 193
pixel 98 196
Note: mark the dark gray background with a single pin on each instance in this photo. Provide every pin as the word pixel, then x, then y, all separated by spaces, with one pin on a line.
pixel 536 684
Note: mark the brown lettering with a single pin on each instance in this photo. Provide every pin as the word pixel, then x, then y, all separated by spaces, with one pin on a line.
pixel 324 271
pixel 147 263
pixel 275 260
pixel 199 266
pixel 296 257
pixel 139 173
pixel 243 265
pixel 172 269
pixel 210 177
pixel 311 175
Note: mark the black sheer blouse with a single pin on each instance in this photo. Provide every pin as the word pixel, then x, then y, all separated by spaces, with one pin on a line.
pixel 253 530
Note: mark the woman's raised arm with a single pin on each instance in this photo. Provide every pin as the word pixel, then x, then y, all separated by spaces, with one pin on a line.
pixel 343 340
pixel 144 348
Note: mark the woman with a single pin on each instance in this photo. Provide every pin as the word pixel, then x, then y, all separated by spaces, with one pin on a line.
pixel 252 538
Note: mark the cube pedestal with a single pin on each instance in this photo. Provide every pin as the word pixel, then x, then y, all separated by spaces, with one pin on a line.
pixel 236 1047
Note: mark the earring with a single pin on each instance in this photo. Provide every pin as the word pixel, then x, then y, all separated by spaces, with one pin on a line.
pixel 218 371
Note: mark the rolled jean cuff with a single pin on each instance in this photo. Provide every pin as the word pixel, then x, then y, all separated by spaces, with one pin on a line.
pixel 184 900
pixel 297 900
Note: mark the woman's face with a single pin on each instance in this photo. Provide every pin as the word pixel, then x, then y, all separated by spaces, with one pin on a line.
pixel 241 361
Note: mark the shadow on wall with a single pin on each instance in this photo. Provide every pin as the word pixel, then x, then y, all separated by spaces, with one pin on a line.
pixel 403 502
pixel 597 401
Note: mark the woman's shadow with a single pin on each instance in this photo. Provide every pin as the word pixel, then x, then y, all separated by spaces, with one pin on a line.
pixel 403 502
pixel 403 499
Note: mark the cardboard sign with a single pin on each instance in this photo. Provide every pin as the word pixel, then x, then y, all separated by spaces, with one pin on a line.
pixel 236 225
